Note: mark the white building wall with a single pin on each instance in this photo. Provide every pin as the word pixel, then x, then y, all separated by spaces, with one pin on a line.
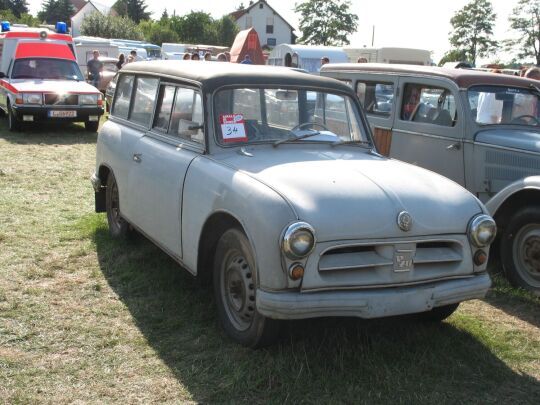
pixel 78 18
pixel 257 18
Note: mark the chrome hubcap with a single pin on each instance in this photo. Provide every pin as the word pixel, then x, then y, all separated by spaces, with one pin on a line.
pixel 527 252
pixel 238 290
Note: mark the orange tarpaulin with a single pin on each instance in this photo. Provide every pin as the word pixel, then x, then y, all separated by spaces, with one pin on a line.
pixel 247 42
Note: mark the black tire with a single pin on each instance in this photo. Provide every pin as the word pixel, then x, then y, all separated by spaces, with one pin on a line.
pixel 235 283
pixel 119 228
pixel 520 249
pixel 438 314
pixel 91 126
pixel 14 124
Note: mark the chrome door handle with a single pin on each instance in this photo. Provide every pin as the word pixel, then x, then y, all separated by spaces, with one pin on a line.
pixel 454 146
pixel 137 157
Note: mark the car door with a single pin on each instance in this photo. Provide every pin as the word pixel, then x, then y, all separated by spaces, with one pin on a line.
pixel 377 93
pixel 428 128
pixel 161 160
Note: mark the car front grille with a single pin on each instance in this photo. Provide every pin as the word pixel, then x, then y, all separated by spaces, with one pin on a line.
pixel 61 99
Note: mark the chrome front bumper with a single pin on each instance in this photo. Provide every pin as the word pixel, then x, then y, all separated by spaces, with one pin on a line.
pixel 374 303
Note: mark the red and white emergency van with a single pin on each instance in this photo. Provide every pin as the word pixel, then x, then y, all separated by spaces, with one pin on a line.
pixel 40 79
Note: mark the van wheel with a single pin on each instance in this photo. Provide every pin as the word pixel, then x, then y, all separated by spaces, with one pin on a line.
pixel 235 284
pixel 91 126
pixel 438 314
pixel 520 249
pixel 118 227
pixel 14 124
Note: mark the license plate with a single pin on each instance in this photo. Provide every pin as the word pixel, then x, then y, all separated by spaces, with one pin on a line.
pixel 403 260
pixel 62 114
pixel 93 118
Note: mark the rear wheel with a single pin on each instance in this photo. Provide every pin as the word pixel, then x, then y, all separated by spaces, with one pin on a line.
pixel 118 227
pixel 235 284
pixel 438 314
pixel 91 126
pixel 520 249
pixel 13 123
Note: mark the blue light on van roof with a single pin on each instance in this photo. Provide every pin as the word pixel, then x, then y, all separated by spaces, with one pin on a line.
pixel 5 26
pixel 61 27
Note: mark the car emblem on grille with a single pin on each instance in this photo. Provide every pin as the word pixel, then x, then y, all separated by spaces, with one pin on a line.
pixel 404 221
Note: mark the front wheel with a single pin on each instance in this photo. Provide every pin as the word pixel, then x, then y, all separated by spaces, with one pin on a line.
pixel 13 123
pixel 118 227
pixel 91 126
pixel 520 249
pixel 235 284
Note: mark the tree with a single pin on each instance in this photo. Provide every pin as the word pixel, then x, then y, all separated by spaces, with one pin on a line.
pixel 7 15
pixel 326 22
pixel 164 16
pixel 226 30
pixel 53 11
pixel 17 7
pixel 134 9
pixel 108 26
pixel 158 32
pixel 525 19
pixel 196 27
pixel 454 55
pixel 473 29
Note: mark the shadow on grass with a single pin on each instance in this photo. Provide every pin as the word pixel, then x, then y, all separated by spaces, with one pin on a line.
pixel 48 134
pixel 324 360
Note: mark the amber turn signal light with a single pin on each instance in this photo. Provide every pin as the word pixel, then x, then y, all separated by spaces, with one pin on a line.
pixel 296 271
pixel 480 257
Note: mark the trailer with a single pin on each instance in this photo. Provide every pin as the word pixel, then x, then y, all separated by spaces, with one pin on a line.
pixel 305 57
pixel 404 56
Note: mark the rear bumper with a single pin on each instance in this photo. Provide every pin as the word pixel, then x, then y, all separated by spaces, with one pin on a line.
pixel 371 303
pixel 41 113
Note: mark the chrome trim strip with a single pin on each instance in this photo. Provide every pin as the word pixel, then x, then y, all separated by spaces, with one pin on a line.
pixel 488 145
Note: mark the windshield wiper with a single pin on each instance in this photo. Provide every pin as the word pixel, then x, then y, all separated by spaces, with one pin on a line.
pixel 296 138
pixel 351 142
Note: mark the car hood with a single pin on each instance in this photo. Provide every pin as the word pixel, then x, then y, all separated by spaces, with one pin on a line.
pixel 345 193
pixel 525 138
pixel 53 86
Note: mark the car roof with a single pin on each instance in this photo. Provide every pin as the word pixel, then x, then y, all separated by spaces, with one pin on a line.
pixel 213 75
pixel 464 78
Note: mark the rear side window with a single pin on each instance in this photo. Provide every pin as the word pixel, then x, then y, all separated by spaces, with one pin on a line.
pixel 429 104
pixel 143 102
pixel 377 98
pixel 123 96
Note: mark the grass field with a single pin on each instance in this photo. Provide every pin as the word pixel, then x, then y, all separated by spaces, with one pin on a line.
pixel 87 319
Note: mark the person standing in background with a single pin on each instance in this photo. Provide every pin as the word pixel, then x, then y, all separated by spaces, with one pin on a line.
pixel 121 61
pixel 95 67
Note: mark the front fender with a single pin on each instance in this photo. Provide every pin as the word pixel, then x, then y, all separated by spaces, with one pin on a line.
pixel 212 187
pixel 527 183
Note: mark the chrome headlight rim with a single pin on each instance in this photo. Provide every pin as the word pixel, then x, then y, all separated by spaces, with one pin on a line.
pixel 92 97
pixel 474 226
pixel 37 101
pixel 288 236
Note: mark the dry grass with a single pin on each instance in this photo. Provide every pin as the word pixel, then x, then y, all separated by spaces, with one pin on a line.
pixel 84 318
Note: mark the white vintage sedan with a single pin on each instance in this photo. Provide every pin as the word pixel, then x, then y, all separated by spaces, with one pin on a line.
pixel 267 181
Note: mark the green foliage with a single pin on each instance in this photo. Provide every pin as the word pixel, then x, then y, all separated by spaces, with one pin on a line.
pixel 226 30
pixel 473 29
pixel 199 27
pixel 134 9
pixel 325 22
pixel 17 7
pixel 525 19
pixel 53 11
pixel 454 55
pixel 8 15
pixel 157 32
pixel 107 26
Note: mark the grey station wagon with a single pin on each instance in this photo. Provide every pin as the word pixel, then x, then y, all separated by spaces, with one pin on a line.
pixel 267 180
pixel 480 129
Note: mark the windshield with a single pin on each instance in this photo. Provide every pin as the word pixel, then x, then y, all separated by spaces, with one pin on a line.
pixel 249 115
pixel 153 53
pixel 44 68
pixel 504 105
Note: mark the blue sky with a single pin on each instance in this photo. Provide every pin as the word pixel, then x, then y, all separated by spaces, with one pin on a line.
pixel 421 24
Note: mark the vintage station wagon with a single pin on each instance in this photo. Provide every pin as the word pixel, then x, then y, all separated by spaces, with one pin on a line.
pixel 480 129
pixel 267 181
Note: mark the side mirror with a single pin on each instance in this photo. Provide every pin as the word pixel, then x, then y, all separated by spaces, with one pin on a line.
pixel 2 75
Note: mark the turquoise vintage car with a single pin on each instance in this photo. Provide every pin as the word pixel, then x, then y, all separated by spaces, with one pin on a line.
pixel 267 181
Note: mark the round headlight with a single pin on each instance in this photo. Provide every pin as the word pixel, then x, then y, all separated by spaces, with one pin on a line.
pixel 298 240
pixel 482 230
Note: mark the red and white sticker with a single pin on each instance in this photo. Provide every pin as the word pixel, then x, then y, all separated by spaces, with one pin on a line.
pixel 233 128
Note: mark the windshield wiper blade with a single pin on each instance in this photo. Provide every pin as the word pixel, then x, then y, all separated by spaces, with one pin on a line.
pixel 296 138
pixel 351 142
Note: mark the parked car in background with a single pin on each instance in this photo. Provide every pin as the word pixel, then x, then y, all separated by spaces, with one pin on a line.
pixel 109 92
pixel 85 47
pixel 291 214
pixel 108 73
pixel 480 129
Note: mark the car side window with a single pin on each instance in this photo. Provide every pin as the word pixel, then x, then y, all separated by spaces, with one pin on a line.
pixel 187 116
pixel 429 104
pixel 143 102
pixel 123 96
pixel 377 98
pixel 164 108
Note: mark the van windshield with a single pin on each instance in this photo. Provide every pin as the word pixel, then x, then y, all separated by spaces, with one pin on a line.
pixel 46 68
pixel 500 105
pixel 260 115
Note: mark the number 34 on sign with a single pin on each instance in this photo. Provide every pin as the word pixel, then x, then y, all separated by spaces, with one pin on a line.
pixel 233 128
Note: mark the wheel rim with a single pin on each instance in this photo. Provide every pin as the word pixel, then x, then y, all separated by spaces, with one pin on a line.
pixel 526 250
pixel 115 205
pixel 238 290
